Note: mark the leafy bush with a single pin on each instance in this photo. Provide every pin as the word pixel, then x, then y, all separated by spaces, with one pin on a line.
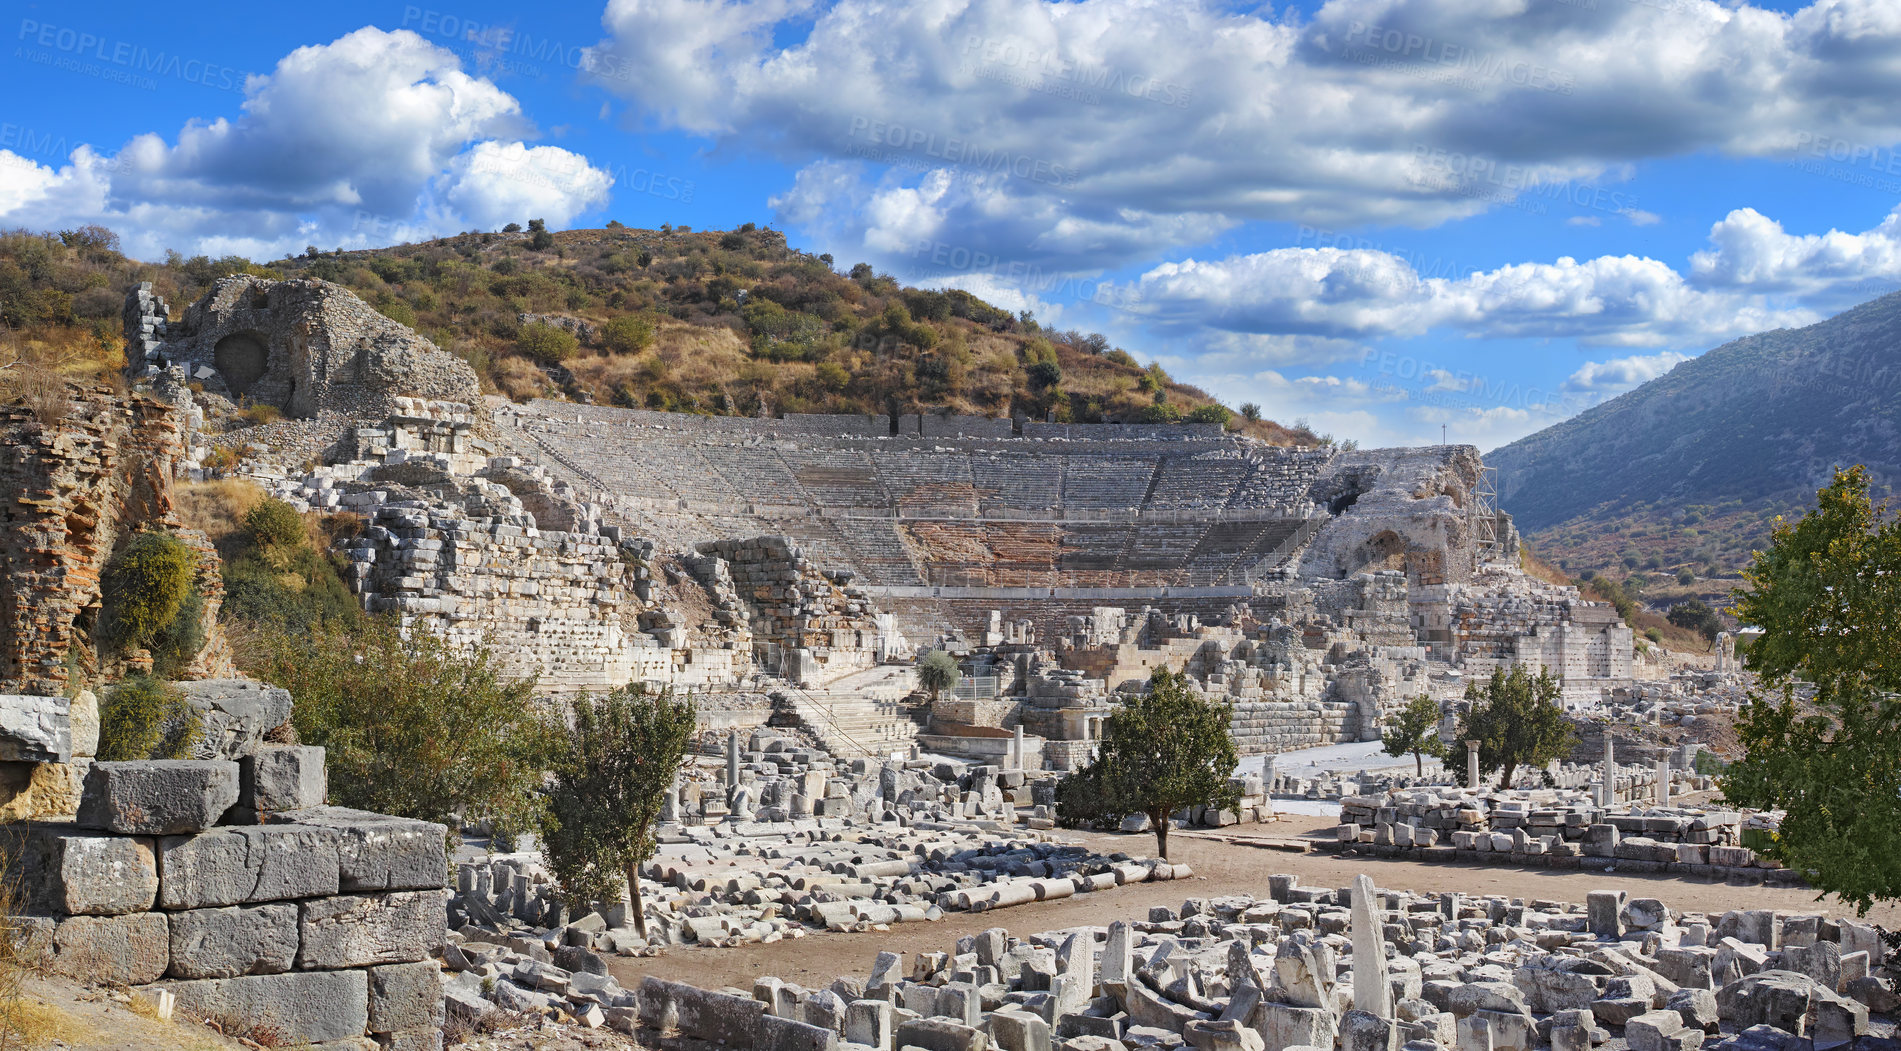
pixel 1210 414
pixel 147 718
pixel 546 344
pixel 274 523
pixel 414 726
pixel 1159 413
pixel 628 334
pixel 1043 375
pixel 143 588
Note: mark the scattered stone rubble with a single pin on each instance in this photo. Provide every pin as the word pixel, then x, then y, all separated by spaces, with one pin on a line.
pixel 1356 968
pixel 1557 829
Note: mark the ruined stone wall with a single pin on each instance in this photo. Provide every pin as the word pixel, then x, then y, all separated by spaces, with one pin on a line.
pixel 70 494
pixel 231 886
pixel 806 625
pixel 1400 509
pixel 302 345
pixel 547 603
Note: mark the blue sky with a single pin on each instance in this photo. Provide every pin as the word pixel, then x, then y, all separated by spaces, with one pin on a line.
pixel 1381 216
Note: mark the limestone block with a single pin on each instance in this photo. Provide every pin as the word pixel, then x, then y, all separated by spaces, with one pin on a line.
pixel 1283 1024
pixel 236 714
pixel 940 1034
pixel 121 950
pixel 362 930
pixel 253 864
pixel 226 943
pixel 277 778
pixel 83 716
pixel 84 873
pixel 377 852
pixel 405 996
pixel 157 796
pixel 1650 1031
pixel 305 1007
pixel 35 729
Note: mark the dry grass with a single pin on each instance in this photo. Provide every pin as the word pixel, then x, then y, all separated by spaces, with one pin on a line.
pixel 218 507
pixel 518 379
pixel 31 1023
pixel 1537 568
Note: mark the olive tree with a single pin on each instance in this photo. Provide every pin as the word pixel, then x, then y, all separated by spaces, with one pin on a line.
pixel 1414 729
pixel 1162 752
pixel 937 672
pixel 612 767
pixel 1517 721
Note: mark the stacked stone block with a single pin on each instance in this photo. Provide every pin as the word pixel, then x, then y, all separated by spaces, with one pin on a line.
pixel 314 923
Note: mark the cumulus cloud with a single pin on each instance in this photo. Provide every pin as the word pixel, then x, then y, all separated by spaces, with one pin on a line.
pixel 1361 293
pixel 1100 131
pixel 373 135
pixel 1751 251
pixel 1619 374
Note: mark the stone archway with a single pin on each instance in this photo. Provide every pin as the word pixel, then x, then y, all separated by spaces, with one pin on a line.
pixel 241 359
pixel 1384 550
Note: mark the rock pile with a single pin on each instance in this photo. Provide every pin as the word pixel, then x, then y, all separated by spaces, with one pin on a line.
pixel 1355 968
pixel 1556 830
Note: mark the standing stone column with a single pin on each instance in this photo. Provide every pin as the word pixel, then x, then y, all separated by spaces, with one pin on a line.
pixel 1372 986
pixel 1610 771
pixel 1471 764
pixel 732 764
pixel 1663 782
pixel 1016 751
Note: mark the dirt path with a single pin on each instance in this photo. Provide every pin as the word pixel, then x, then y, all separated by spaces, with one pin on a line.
pixel 1220 869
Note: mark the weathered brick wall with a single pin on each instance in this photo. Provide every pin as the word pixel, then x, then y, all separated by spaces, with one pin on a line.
pixel 70 493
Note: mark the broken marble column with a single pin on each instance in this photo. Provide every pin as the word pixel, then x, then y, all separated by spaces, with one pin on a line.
pixel 1372 988
pixel 1663 782
pixel 1016 749
pixel 1610 771
pixel 1471 764
pixel 732 764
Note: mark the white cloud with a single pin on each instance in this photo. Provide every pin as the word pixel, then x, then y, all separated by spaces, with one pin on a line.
pixel 1584 220
pixel 1359 293
pixel 1752 252
pixel 1097 132
pixel 373 137
pixel 1639 217
pixel 1620 374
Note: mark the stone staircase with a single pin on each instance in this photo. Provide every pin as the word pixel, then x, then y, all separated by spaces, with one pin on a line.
pixel 862 715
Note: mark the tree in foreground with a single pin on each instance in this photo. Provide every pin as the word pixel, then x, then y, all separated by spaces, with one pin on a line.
pixel 1162 752
pixel 414 726
pixel 1827 596
pixel 1415 729
pixel 1517 721
pixel 612 768
pixel 937 672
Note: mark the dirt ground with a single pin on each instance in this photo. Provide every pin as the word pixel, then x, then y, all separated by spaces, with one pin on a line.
pixel 1220 869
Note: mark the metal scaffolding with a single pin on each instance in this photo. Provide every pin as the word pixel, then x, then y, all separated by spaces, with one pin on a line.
pixel 1483 508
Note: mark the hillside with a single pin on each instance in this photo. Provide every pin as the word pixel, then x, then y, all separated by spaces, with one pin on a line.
pixel 730 323
pixel 1684 476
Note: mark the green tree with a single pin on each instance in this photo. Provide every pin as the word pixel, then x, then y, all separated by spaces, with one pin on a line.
pixel 414 726
pixel 1827 596
pixel 937 672
pixel 1162 752
pixel 612 766
pixel 272 523
pixel 1517 721
pixel 1250 412
pixel 1415 729
pixel 1696 615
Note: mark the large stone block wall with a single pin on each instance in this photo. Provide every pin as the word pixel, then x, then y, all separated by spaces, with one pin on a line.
pixel 319 924
pixel 800 617
pixel 546 603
